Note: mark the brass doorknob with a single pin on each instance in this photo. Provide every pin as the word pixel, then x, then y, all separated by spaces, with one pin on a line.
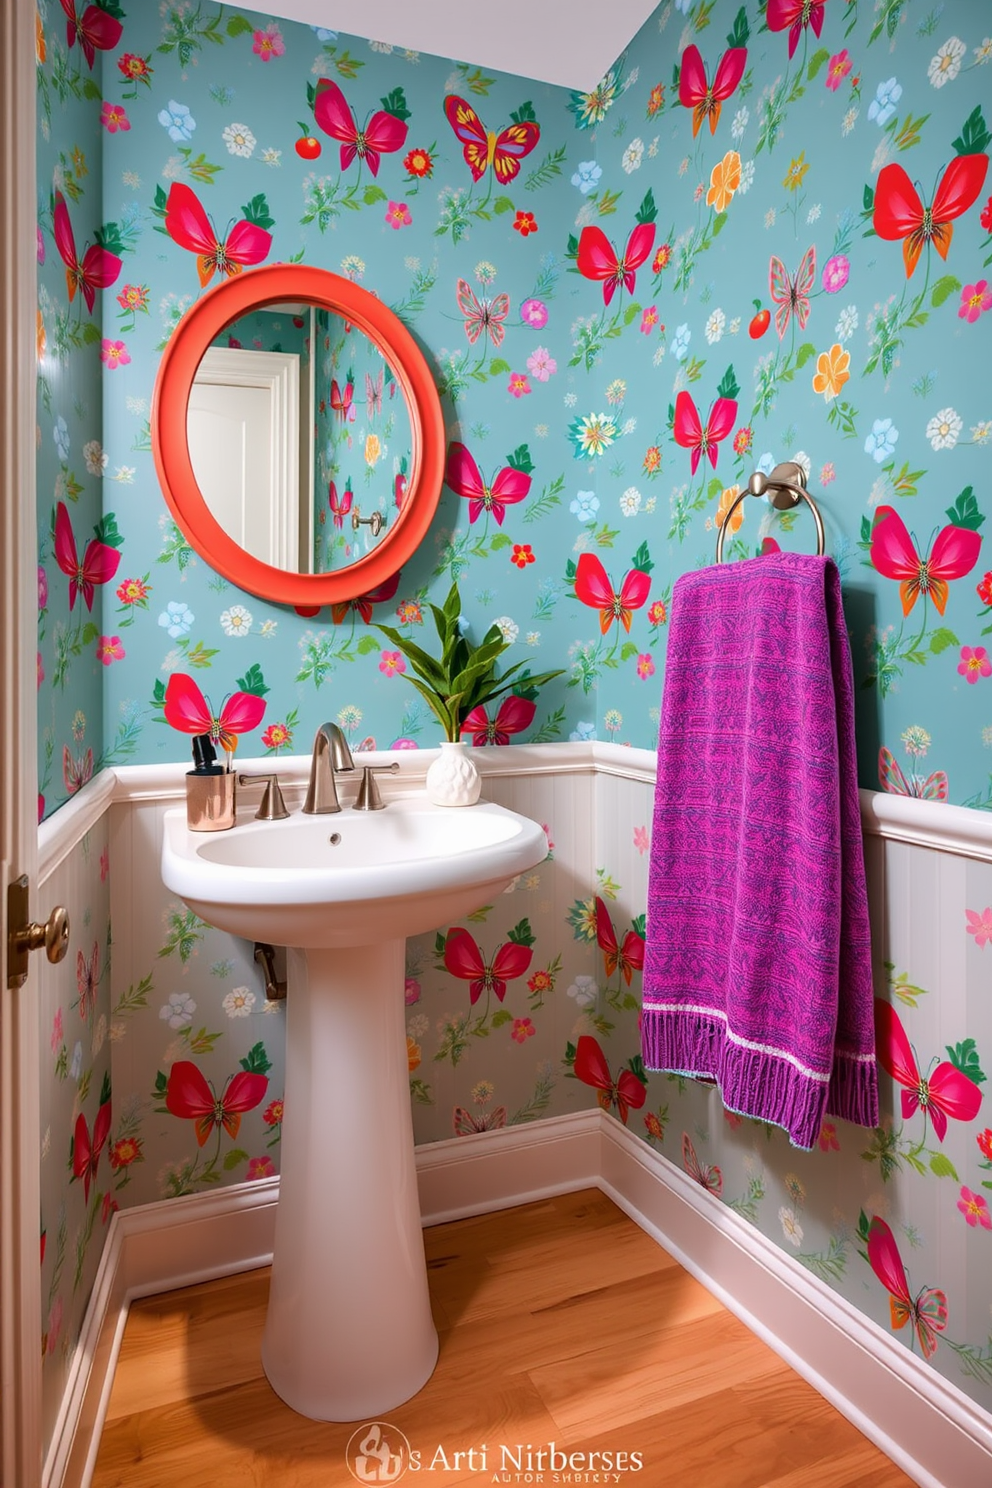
pixel 24 935
pixel 53 935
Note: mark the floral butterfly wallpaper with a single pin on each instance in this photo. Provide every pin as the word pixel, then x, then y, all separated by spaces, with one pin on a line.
pixel 765 235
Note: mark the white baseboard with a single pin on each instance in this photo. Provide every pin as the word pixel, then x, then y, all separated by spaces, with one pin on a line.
pixel 936 1433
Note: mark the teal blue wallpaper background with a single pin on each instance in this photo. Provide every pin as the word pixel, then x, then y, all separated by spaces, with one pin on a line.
pixel 766 235
pixel 641 299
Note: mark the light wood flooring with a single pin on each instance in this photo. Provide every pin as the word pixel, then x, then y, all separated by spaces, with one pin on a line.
pixel 560 1321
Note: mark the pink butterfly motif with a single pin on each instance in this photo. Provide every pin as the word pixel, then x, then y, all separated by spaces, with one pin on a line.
pixel 594 587
pixel 629 955
pixel 891 779
pixel 383 134
pixel 515 714
pixel 340 505
pixel 187 223
pixel 482 316
pixel 466 1125
pixel 895 556
pixel 945 1091
pixel 86 1152
pixel 99 564
pixel 591 1068
pixel 97 269
pixel 96 30
pixel 373 394
pixel 508 486
pixel 927 1311
pixel 76 772
pixel 598 259
pixel 343 403
pixel 464 960
pixel 791 292
pixel 87 980
pixel 188 1094
pixel 706 99
pixel 706 1175
pixel 689 430
pixel 797 15
pixel 187 710
pixel 362 605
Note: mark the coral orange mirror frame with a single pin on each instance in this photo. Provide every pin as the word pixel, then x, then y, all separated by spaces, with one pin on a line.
pixel 251 290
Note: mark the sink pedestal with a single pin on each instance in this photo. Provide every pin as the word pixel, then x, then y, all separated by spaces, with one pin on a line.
pixel 349 1333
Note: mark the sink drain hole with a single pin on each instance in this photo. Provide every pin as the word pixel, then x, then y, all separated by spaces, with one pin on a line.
pixel 334 838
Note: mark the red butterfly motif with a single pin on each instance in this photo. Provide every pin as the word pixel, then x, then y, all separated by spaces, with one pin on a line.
pixel 96 30
pixel 900 214
pixel 97 269
pixel 343 403
pixel 340 505
pixel 629 955
pixel 87 978
pixel 691 435
pixel 795 13
pixel 594 587
pixel 707 1175
pixel 945 1092
pixel 927 1311
pixel 187 1094
pixel 99 563
pixel 483 148
pixel 76 772
pixel 187 710
pixel 706 99
pixel 894 554
pixel 363 604
pixel 463 959
pixel 466 1125
pixel 597 258
pixel 515 714
pixel 791 294
pixel 891 779
pixel 482 315
pixel 86 1153
pixel 464 477
pixel 592 1069
pixel 382 135
pixel 187 224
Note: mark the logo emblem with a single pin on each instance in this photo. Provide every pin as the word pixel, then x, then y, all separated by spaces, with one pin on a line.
pixel 377 1453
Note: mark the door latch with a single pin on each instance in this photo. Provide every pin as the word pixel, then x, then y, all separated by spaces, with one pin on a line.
pixel 25 936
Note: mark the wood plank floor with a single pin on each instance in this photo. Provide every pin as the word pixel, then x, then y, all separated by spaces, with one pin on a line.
pixel 560 1321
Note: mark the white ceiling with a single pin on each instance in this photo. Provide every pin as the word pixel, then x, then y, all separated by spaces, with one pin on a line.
pixel 568 42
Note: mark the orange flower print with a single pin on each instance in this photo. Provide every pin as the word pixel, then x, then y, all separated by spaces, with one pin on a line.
pixel 725 178
pixel 727 499
pixel 413 1054
pixel 831 371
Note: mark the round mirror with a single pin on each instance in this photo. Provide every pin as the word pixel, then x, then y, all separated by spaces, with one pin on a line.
pixel 298 435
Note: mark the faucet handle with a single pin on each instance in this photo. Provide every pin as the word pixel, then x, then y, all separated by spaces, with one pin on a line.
pixel 368 798
pixel 272 806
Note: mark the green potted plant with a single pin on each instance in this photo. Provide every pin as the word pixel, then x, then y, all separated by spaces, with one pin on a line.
pixel 457 686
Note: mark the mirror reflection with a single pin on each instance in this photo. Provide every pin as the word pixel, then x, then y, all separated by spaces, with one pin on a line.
pixel 299 438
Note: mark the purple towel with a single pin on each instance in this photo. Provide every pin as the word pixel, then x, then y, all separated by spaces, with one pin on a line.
pixel 757 970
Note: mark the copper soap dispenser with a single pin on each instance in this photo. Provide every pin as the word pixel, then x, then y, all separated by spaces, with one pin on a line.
pixel 209 790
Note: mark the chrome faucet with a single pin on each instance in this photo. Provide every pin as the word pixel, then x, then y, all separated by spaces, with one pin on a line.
pixel 330 755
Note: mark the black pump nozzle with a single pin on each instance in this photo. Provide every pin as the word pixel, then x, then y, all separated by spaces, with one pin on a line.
pixel 204 754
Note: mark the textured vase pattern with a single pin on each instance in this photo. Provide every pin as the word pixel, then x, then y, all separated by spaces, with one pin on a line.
pixel 453 780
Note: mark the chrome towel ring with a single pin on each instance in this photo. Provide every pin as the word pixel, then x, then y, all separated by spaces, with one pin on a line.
pixel 786 487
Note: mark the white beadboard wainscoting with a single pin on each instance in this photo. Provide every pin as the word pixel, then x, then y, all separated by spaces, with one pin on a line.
pixel 919 856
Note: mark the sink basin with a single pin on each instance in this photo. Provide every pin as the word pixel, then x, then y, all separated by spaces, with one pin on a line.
pixel 346 879
pixel 348 1333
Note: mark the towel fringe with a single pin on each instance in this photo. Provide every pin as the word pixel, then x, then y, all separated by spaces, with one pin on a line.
pixel 853 1092
pixel 751 1080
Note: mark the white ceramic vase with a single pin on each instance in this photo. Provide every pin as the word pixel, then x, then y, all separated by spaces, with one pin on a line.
pixel 452 779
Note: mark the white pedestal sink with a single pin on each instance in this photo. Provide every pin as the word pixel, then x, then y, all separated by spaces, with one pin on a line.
pixel 349 1333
